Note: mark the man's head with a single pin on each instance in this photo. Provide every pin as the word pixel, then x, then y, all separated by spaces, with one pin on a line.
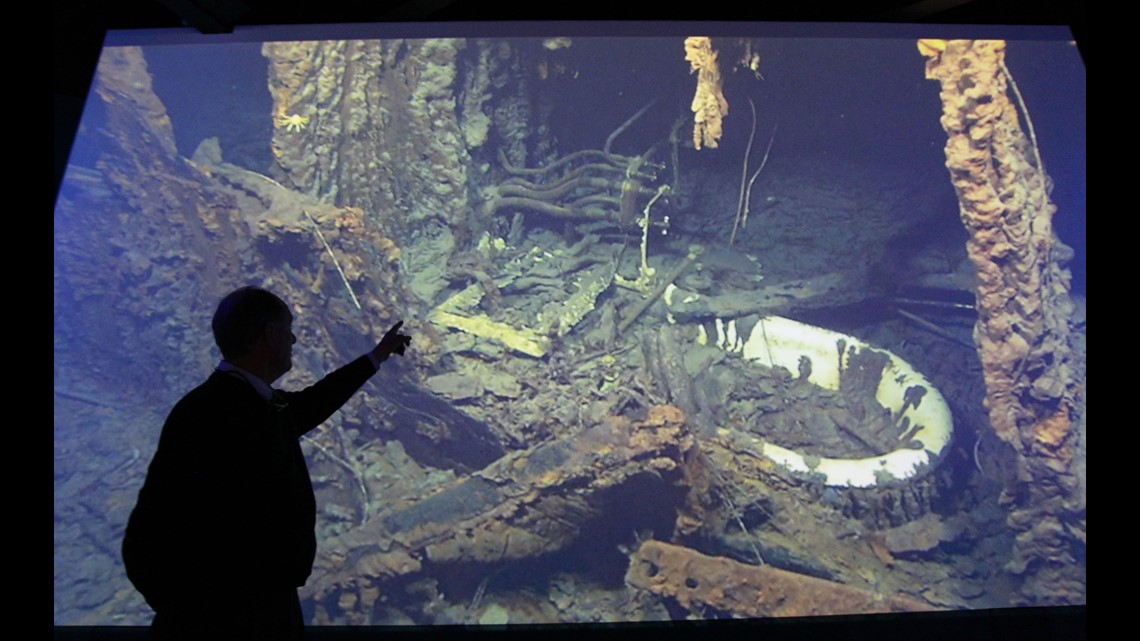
pixel 254 330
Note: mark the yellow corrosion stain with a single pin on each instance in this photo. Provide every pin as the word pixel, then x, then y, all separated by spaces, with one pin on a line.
pixel 931 48
pixel 549 478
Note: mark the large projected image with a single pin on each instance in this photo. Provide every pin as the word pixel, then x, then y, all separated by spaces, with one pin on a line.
pixel 758 325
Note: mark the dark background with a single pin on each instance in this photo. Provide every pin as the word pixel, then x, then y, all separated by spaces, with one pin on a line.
pixel 80 25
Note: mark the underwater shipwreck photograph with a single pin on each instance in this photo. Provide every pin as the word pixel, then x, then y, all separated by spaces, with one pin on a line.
pixel 705 327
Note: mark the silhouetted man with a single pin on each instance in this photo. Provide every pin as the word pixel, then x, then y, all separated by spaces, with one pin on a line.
pixel 223 532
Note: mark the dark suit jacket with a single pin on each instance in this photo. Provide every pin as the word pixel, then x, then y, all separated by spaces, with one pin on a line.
pixel 227 508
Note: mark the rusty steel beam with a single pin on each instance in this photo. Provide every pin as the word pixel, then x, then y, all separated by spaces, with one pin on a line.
pixel 528 503
pixel 698 581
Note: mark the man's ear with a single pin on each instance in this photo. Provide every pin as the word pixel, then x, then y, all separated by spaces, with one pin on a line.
pixel 265 338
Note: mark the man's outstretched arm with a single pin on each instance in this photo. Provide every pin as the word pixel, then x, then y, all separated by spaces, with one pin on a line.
pixel 313 405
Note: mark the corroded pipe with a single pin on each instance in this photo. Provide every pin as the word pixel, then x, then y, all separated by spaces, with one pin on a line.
pixel 1033 376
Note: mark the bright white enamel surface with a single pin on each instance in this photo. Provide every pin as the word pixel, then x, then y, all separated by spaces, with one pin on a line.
pixel 780 342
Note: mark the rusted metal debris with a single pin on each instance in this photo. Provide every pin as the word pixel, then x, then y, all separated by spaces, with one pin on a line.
pixel 833 289
pixel 698 581
pixel 525 504
pixel 1026 324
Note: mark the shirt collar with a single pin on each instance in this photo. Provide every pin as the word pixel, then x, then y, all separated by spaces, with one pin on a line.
pixel 261 387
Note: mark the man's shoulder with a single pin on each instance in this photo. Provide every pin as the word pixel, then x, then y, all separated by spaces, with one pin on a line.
pixel 220 392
